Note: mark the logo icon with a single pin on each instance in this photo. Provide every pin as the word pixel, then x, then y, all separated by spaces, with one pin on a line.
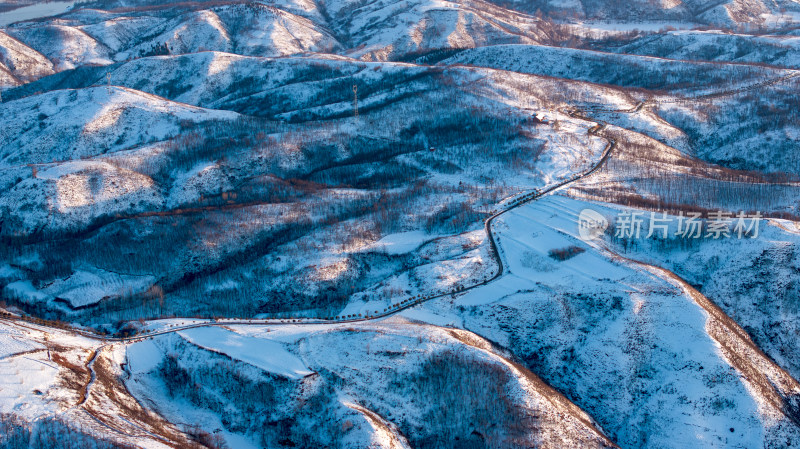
pixel 591 224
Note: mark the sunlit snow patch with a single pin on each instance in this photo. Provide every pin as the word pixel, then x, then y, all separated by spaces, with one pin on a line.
pixel 267 355
pixel 402 242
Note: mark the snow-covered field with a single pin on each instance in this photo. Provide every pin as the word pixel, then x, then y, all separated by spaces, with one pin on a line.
pixel 266 355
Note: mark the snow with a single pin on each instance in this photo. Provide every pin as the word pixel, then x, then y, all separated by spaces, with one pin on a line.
pixel 12 341
pixel 87 287
pixel 716 45
pixel 269 356
pixel 166 324
pixel 384 28
pixel 64 193
pixel 20 377
pixel 89 122
pixel 354 352
pixel 7 272
pixel 71 49
pixel 25 292
pixel 206 178
pixel 31 385
pixel 361 354
pixel 119 32
pixel 401 242
pixel 537 296
pixel 611 27
pixel 628 346
pixel 426 316
pixel 626 70
pixel 143 357
pixel 21 61
pixel 251 29
pixel 384 433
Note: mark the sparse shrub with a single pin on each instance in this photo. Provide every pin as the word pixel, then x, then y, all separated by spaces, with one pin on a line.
pixel 563 254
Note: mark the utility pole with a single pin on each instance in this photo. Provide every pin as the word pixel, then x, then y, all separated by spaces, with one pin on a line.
pixel 355 99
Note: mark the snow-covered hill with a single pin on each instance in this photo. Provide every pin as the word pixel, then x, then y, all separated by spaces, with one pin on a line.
pixel 370 209
pixel 633 349
pixel 386 29
pixel 20 63
pixel 304 389
pixel 74 124
pixel 777 50
pixel 49 138
pixel 675 76
pixel 747 14
pixel 242 28
pixel 159 161
pixel 376 31
pixel 65 46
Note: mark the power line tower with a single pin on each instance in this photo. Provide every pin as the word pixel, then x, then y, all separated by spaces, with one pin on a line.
pixel 355 99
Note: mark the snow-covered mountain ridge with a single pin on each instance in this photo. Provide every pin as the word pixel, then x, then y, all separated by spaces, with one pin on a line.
pixel 355 224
